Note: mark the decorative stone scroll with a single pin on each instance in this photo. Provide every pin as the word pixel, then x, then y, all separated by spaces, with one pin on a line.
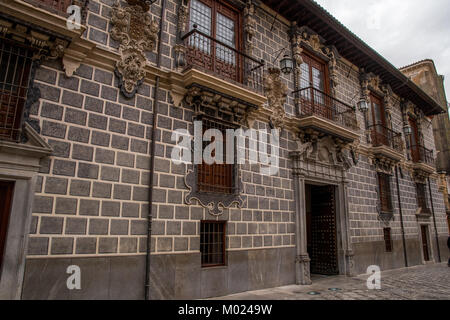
pixel 136 32
pixel 276 92
pixel 183 15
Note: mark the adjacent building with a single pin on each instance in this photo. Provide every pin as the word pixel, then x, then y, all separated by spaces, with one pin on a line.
pixel 95 103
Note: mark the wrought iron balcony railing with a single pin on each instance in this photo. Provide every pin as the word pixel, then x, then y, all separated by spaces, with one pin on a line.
pixel 383 136
pixel 212 55
pixel 421 154
pixel 315 102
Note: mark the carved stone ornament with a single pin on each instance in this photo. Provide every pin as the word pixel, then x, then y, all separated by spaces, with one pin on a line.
pixel 317 147
pixel 183 15
pixel 136 32
pixel 249 26
pixel 276 92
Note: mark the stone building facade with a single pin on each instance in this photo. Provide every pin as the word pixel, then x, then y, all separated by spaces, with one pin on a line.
pixel 425 75
pixel 88 171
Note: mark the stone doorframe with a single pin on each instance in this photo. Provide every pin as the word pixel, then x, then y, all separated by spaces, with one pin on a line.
pixel 304 170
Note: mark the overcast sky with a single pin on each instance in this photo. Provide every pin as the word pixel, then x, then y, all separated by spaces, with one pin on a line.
pixel 403 31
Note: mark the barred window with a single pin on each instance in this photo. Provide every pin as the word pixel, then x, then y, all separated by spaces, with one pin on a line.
pixel 216 178
pixel 387 239
pixel 15 69
pixel 384 186
pixel 212 243
pixel 421 197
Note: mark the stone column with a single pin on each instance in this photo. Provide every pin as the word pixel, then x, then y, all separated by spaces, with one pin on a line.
pixel 302 260
pixel 347 243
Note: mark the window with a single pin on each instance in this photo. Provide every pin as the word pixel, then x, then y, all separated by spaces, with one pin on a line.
pixel 414 141
pixel 212 243
pixel 421 197
pixel 385 192
pixel 216 50
pixel 379 127
pixel 15 68
pixel 216 178
pixel 314 82
pixel 387 239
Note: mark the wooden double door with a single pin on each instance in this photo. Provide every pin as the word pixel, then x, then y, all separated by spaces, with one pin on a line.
pixel 322 235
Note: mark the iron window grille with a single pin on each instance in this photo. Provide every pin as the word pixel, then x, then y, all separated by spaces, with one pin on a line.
pixel 15 70
pixel 385 194
pixel 421 197
pixel 212 243
pixel 387 239
pixel 217 177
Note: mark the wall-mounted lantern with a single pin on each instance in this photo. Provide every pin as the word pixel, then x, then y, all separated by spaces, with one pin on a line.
pixel 363 106
pixel 286 64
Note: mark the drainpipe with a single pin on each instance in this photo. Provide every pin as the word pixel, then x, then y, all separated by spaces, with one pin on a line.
pixel 152 157
pixel 434 221
pixel 401 218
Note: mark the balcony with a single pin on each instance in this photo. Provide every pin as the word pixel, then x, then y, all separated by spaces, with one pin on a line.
pixel 222 61
pixel 326 114
pixel 423 159
pixel 386 142
pixel 58 7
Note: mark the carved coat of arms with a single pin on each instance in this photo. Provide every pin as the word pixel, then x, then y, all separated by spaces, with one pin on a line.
pixel 136 32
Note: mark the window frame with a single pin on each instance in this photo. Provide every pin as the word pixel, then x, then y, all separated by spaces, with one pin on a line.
pixel 222 7
pixel 422 199
pixel 223 247
pixel 385 194
pixel 306 55
pixel 20 53
pixel 233 180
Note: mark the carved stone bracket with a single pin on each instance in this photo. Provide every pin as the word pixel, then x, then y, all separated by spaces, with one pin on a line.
pixel 276 92
pixel 136 32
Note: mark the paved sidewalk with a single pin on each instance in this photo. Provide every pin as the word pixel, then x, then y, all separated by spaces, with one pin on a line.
pixel 429 282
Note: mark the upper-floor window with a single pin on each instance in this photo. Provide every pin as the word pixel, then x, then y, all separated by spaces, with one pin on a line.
pixel 384 188
pixel 314 87
pixel 15 69
pixel 414 140
pixel 215 46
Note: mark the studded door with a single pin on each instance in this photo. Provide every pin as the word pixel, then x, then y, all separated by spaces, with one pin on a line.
pixel 323 224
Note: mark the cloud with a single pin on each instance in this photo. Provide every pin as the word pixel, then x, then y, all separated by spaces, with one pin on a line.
pixel 402 31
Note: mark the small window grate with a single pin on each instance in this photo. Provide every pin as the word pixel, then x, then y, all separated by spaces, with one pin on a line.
pixel 387 239
pixel 212 243
pixel 15 69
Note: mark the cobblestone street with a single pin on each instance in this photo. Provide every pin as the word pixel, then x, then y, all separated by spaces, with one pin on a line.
pixel 430 282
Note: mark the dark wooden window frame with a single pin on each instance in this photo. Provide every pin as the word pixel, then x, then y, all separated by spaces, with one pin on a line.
pixel 223 8
pixel 385 193
pixel 388 239
pixel 212 248
pixel 217 178
pixel 306 55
